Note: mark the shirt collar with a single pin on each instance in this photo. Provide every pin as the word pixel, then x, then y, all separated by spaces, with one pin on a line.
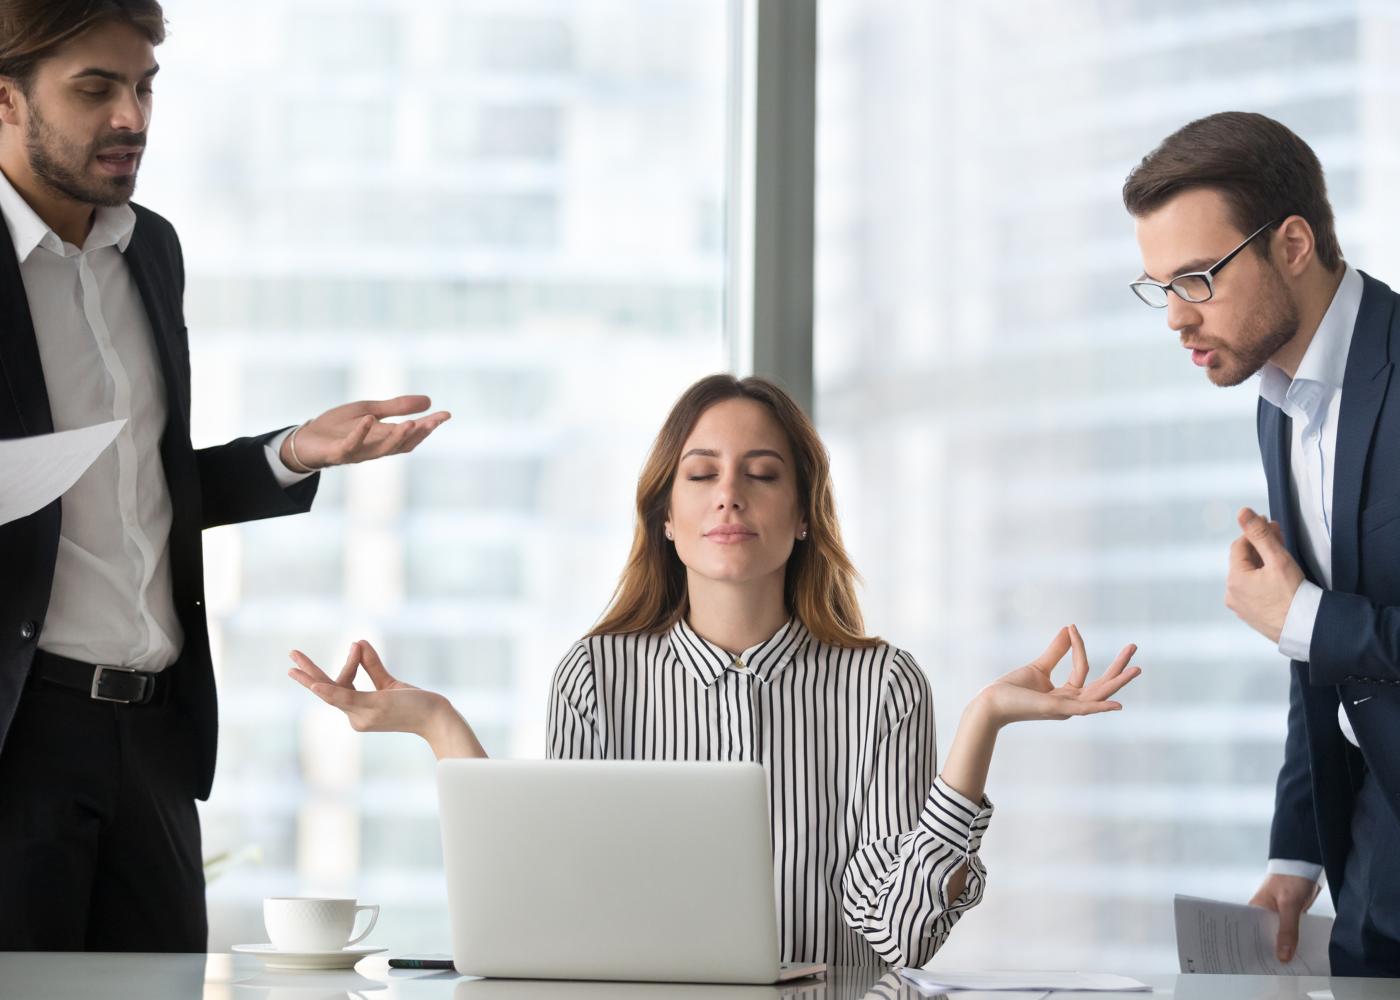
pixel 112 226
pixel 707 662
pixel 1324 363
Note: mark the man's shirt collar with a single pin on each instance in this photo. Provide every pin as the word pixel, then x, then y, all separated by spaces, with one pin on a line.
pixel 1324 363
pixel 111 226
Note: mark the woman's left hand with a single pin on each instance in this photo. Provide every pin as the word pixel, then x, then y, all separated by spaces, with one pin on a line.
pixel 1029 693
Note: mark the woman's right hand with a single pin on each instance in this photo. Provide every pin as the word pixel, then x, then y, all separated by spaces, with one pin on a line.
pixel 393 706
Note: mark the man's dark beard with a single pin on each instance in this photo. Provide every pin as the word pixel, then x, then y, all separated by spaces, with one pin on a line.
pixel 1272 326
pixel 55 165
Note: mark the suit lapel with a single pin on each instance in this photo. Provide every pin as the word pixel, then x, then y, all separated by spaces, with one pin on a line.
pixel 1363 391
pixel 21 370
pixel 153 282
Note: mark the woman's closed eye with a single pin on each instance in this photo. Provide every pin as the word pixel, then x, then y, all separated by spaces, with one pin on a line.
pixel 765 477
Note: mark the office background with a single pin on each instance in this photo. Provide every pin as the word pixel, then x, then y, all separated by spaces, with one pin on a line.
pixel 527 209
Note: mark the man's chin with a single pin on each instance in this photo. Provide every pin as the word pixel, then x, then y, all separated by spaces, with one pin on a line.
pixel 115 191
pixel 1227 376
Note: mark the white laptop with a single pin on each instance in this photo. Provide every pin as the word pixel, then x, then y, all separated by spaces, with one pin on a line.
pixel 611 870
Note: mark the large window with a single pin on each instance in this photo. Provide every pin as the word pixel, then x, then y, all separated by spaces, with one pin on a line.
pixel 515 207
pixel 1020 444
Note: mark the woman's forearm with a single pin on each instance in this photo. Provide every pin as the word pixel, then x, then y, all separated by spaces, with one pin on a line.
pixel 966 766
pixel 449 735
pixel 970 757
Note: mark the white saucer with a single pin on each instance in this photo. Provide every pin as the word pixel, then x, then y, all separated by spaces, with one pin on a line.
pixel 342 958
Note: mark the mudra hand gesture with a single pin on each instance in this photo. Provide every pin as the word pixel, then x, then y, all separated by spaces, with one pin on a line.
pixel 392 707
pixel 1029 693
pixel 358 432
pixel 1026 694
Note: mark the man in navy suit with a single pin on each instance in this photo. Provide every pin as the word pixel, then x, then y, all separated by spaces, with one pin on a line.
pixel 1238 246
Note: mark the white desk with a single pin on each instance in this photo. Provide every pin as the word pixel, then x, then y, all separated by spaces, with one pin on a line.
pixel 75 976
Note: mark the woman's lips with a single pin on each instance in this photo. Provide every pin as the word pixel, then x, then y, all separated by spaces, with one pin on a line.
pixel 730 534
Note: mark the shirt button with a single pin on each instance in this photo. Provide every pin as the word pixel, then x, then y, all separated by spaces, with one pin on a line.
pixel 28 631
pixel 739 663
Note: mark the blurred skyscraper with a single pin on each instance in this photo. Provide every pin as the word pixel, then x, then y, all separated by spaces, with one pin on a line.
pixel 1020 444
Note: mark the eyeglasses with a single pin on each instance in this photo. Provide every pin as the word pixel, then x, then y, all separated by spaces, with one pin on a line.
pixel 1195 286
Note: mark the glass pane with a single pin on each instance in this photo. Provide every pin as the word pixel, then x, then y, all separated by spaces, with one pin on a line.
pixel 516 208
pixel 1019 444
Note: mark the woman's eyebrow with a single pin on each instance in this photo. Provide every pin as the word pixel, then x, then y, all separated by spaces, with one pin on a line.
pixel 755 453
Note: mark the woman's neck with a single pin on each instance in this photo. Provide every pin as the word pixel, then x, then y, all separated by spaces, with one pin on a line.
pixel 736 616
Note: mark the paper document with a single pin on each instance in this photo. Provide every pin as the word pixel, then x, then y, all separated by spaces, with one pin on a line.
pixel 1233 939
pixel 36 471
pixel 1005 983
pixel 941 994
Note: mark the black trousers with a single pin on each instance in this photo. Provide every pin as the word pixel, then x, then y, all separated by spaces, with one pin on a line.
pixel 1366 935
pixel 99 837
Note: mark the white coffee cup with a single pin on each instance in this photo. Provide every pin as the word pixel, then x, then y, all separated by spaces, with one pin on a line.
pixel 298 923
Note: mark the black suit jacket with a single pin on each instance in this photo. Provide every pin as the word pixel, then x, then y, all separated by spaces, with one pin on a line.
pixel 208 487
pixel 1355 653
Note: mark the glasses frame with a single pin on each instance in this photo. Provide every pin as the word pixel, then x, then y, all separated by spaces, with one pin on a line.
pixel 1208 275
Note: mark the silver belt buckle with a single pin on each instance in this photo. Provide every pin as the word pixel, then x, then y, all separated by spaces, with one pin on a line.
pixel 97 680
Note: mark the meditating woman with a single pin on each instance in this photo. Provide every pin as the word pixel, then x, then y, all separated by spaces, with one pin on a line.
pixel 735 634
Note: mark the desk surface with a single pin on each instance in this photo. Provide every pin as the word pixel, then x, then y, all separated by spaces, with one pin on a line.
pixel 72 976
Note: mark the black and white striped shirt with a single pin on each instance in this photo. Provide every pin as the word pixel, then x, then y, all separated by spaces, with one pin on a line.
pixel 865 836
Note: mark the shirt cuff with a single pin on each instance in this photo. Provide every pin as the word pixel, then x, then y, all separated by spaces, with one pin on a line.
pixel 1295 641
pixel 285 476
pixel 1302 869
pixel 954 819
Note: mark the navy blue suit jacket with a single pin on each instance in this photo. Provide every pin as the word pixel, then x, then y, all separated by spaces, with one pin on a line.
pixel 208 487
pixel 1355 653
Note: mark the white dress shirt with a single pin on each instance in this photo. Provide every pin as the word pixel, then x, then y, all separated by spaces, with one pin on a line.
pixel 865 837
pixel 111 601
pixel 1313 400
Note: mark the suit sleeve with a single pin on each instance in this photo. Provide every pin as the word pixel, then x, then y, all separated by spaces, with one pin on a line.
pixel 916 832
pixel 1354 640
pixel 1293 834
pixel 236 484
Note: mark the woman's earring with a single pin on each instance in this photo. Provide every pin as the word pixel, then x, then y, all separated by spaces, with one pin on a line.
pixel 802 537
pixel 670 537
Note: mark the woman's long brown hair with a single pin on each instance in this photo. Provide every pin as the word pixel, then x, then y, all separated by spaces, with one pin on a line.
pixel 819 589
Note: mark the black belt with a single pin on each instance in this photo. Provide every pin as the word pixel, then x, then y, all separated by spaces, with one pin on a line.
pixel 123 685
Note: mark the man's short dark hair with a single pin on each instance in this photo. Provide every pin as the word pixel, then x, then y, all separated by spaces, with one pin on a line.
pixel 30 30
pixel 1264 172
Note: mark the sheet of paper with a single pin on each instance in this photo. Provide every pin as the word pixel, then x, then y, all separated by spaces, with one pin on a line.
pixel 35 471
pixel 941 994
pixel 1004 983
pixel 1229 938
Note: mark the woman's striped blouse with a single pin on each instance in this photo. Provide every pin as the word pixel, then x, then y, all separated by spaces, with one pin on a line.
pixel 865 837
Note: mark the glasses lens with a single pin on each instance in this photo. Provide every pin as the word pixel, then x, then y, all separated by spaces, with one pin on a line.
pixel 1153 295
pixel 1192 287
